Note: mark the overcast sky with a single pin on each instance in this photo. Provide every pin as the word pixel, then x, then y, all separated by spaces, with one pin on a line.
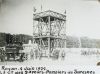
pixel 83 16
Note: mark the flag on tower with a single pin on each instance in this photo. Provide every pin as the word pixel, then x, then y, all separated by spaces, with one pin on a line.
pixel 41 7
pixel 34 9
pixel 65 12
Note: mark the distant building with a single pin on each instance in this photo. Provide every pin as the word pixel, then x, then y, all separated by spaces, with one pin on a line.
pixel 29 49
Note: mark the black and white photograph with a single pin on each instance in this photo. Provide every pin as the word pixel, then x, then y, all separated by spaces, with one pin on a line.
pixel 51 33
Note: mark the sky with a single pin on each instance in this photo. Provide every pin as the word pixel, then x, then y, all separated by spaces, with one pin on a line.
pixel 83 16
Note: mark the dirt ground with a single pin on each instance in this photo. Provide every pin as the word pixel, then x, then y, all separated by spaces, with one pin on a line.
pixel 72 58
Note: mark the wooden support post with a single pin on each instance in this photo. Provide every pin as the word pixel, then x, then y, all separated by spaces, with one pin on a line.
pixel 49 48
pixel 40 52
pixel 49 42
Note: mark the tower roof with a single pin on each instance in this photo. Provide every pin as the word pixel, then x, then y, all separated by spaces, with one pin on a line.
pixel 49 13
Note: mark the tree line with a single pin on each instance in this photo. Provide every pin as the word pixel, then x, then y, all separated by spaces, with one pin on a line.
pixel 82 42
pixel 71 41
pixel 7 38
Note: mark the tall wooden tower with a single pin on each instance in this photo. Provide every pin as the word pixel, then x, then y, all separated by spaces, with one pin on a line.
pixel 49 31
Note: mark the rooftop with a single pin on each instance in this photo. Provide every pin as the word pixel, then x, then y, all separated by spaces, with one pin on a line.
pixel 50 13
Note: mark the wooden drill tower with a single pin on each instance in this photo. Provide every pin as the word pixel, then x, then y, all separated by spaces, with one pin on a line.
pixel 49 31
